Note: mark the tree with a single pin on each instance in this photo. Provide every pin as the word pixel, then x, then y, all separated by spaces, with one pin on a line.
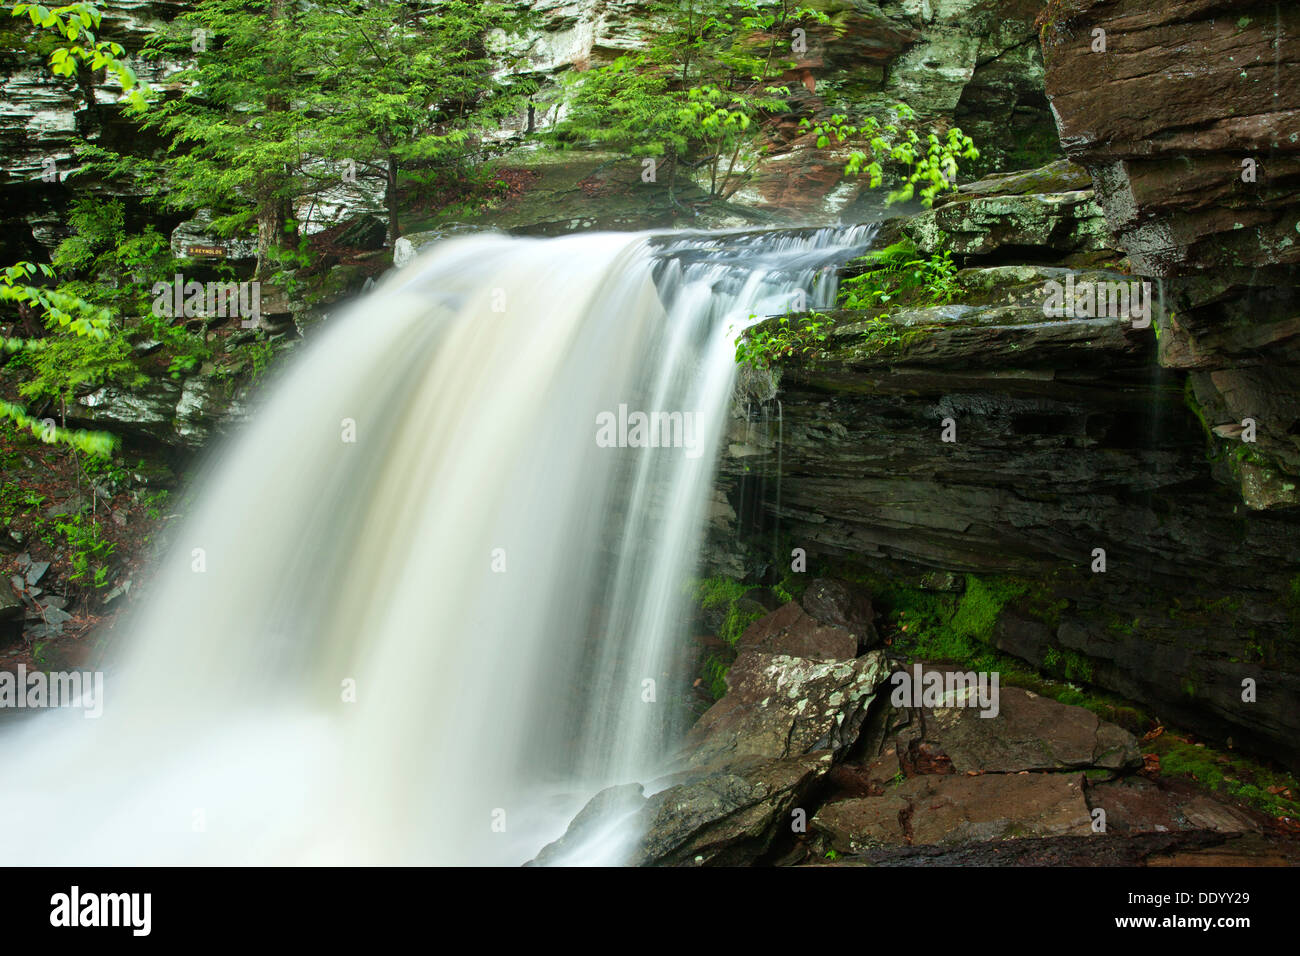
pixel 701 89
pixel 697 92
pixel 931 165
pixel 397 87
pixel 236 137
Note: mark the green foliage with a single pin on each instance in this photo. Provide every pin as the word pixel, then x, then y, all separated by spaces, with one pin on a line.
pixel 721 596
pixel 930 160
pixel 377 89
pixel 697 91
pixel 87 442
pixel 782 338
pixel 77 23
pixel 398 87
pixel 88 549
pixel 714 674
pixel 899 273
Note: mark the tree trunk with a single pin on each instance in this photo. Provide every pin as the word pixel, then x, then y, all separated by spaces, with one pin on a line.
pixel 274 210
pixel 390 197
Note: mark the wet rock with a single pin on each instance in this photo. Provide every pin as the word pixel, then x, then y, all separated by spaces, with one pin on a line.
pixel 145 411
pixel 11 607
pixel 843 605
pixel 1198 184
pixel 729 817
pixel 1067 440
pixel 791 631
pixel 1138 805
pixel 198 233
pixel 35 571
pixel 1167 159
pixel 852 826
pixel 752 759
pixel 780 706
pixel 1062 223
pixel 409 246
pixel 1029 732
pixel 958 809
pixel 1061 176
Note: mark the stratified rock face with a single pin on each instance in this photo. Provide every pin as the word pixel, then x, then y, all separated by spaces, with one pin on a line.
pixel 1064 438
pixel 1187 114
pixel 1183 94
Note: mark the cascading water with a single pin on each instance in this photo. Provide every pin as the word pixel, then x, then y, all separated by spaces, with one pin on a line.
pixel 421 612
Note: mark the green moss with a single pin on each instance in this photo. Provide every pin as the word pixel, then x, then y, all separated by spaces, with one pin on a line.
pixel 944 627
pixel 714 673
pixel 1121 626
pixel 721 595
pixel 1069 664
pixel 1230 774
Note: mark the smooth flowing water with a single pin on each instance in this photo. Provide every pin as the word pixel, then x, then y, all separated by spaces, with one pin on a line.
pixel 422 609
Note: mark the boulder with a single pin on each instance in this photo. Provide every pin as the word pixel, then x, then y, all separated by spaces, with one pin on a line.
pixel 982 225
pixel 753 758
pixel 778 706
pixel 789 630
pixel 958 809
pixel 729 817
pixel 842 605
pixel 1029 732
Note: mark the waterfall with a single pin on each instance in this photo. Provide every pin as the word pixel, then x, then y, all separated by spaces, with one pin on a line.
pixel 421 611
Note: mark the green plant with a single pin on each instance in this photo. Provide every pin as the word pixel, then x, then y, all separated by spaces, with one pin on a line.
pixel 77 22
pixel 694 94
pixel 782 338
pixel 715 675
pixel 88 549
pixel 930 163
pixel 899 273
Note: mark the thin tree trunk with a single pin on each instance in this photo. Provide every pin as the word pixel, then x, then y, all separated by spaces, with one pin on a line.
pixel 390 195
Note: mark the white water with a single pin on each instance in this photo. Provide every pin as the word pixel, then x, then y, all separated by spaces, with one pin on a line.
pixel 474 377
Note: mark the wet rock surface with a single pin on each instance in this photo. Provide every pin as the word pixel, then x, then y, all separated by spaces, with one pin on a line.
pixel 1028 733
pixel 986 436
pixel 753 759
pixel 951 809
pixel 780 706
pixel 1198 179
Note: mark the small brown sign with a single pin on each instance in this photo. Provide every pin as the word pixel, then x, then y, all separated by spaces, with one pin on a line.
pixel 214 252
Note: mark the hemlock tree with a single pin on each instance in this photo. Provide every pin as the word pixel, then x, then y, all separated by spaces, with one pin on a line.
pixel 237 140
pixel 400 87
